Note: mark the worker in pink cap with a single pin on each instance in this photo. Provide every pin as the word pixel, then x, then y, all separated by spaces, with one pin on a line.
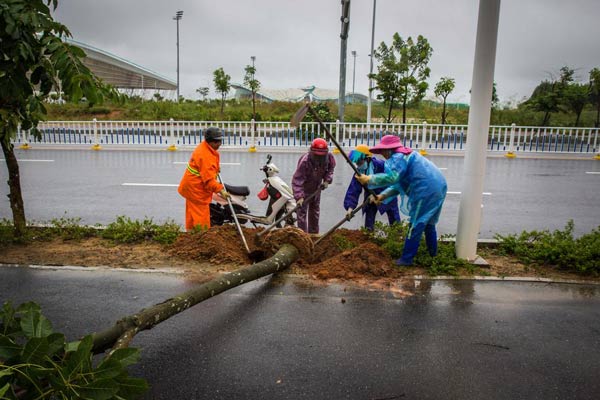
pixel 422 188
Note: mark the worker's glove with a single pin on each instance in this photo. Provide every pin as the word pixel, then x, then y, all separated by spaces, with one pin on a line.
pixel 363 179
pixel 225 194
pixel 324 185
pixel 349 213
pixel 377 200
pixel 300 201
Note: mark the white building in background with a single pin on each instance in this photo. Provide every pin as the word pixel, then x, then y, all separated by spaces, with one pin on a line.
pixel 123 74
pixel 295 94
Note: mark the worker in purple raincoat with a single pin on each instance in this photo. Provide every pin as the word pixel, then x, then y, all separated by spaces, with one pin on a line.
pixel 313 174
pixel 366 164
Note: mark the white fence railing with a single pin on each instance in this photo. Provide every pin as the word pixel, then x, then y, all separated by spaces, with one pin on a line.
pixel 248 134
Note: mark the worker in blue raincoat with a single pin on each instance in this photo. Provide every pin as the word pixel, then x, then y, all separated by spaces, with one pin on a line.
pixel 367 164
pixel 422 188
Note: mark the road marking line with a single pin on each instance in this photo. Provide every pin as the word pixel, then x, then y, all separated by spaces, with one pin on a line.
pixel 223 163
pixel 23 159
pixel 442 169
pixel 484 193
pixel 593 173
pixel 149 184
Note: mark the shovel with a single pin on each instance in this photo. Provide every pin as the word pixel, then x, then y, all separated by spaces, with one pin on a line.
pixel 256 255
pixel 343 221
pixel 283 217
pixel 295 122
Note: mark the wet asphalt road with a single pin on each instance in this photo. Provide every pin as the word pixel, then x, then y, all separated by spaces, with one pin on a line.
pixel 282 338
pixel 520 194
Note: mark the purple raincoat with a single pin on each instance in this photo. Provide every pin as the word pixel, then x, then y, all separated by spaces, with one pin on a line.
pixel 309 175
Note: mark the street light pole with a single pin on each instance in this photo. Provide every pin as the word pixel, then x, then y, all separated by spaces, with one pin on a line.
pixel 371 65
pixel 344 38
pixel 177 17
pixel 353 73
pixel 253 58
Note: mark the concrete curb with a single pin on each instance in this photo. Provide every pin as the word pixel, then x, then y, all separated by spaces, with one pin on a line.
pixel 175 271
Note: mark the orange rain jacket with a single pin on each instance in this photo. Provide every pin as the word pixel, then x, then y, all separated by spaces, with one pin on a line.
pixel 198 184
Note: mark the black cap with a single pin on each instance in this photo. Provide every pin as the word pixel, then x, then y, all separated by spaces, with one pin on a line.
pixel 213 134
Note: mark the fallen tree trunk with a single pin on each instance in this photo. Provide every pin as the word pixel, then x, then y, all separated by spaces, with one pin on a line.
pixel 124 330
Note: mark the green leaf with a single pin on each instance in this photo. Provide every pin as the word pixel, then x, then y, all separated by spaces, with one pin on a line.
pixel 109 369
pixel 130 388
pixel 35 350
pixel 34 324
pixel 126 356
pixel 4 389
pixel 101 389
pixel 72 346
pixel 8 348
pixel 56 342
pixel 81 359
pixel 5 372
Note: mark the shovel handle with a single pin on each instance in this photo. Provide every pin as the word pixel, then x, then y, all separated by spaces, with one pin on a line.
pixel 343 221
pixel 237 223
pixel 283 217
pixel 330 137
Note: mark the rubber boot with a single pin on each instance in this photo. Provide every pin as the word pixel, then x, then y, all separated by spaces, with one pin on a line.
pixel 431 240
pixel 410 251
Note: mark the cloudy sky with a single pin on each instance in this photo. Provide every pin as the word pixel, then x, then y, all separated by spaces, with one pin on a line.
pixel 296 42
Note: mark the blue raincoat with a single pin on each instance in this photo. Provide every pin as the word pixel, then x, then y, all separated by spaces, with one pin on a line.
pixel 423 190
pixel 418 181
pixel 370 210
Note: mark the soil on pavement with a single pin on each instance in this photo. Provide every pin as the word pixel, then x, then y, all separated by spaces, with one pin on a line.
pixel 345 256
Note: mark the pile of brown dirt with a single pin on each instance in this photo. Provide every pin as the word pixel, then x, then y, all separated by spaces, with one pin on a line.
pixel 349 255
pixel 365 261
pixel 218 245
pixel 344 255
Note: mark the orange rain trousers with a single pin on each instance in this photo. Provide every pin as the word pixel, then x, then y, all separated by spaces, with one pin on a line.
pixel 198 184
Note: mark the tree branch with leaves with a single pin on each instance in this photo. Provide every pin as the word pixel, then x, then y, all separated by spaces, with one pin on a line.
pixel 253 84
pixel 222 83
pixel 442 89
pixel 33 60
pixel 402 72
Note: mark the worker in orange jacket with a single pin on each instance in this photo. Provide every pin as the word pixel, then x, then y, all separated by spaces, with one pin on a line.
pixel 199 180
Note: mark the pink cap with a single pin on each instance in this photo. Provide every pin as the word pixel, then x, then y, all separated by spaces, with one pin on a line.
pixel 390 142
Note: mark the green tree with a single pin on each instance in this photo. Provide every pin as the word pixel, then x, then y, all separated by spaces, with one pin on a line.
pixel 402 72
pixel 442 89
pixel 595 93
pixel 575 98
pixel 547 97
pixel 222 85
pixel 253 84
pixel 33 60
pixel 203 91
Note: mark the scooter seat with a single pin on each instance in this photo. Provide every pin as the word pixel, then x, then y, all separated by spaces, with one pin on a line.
pixel 238 190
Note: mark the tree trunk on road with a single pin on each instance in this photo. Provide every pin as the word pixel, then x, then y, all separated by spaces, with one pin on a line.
pixel 14 184
pixel 120 334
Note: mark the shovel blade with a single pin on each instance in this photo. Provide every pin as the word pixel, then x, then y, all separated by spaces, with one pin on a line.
pixel 299 116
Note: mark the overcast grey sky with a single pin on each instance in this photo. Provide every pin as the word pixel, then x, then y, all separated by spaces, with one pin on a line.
pixel 296 42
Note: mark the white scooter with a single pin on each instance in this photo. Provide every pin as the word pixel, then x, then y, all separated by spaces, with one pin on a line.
pixel 280 196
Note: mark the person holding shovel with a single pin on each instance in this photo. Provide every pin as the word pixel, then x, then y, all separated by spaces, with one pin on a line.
pixel 313 174
pixel 417 180
pixel 199 180
pixel 366 164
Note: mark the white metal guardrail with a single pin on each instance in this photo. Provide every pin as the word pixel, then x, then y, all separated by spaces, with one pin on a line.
pixel 247 134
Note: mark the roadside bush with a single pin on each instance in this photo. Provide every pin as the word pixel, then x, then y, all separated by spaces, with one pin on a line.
pixel 558 249
pixel 7 231
pixel 38 363
pixel 125 230
pixel 391 239
pixel 70 229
